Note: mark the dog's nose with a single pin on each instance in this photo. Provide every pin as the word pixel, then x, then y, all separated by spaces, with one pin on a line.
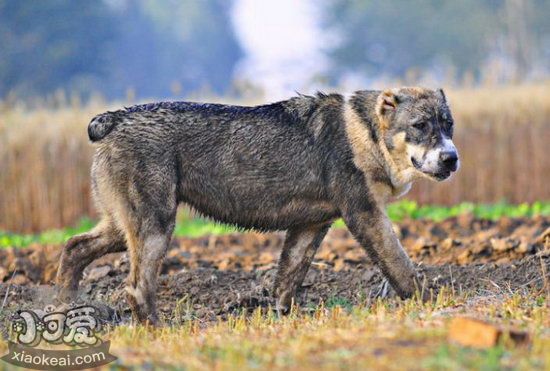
pixel 449 159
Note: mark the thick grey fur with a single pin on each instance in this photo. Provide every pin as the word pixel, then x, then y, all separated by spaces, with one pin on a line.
pixel 282 166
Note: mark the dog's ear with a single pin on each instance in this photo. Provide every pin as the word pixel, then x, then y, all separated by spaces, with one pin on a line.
pixel 441 95
pixel 386 104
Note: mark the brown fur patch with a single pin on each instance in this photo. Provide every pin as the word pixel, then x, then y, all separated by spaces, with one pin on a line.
pixel 388 175
pixel 364 151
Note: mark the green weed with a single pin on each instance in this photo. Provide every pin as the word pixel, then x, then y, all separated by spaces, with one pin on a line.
pixel 197 227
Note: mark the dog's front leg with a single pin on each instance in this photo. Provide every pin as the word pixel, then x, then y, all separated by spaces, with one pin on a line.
pixel 373 230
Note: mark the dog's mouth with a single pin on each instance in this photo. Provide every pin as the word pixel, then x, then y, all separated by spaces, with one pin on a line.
pixel 442 175
pixel 439 175
pixel 416 163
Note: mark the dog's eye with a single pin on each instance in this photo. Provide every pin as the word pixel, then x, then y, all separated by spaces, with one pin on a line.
pixel 448 126
pixel 421 125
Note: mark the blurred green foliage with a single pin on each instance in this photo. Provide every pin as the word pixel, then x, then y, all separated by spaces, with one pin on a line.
pixel 54 236
pixel 395 37
pixel 153 47
pixel 196 227
pixel 44 44
pixel 410 209
pixel 160 48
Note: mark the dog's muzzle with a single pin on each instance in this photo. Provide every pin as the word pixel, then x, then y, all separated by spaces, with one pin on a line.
pixel 439 163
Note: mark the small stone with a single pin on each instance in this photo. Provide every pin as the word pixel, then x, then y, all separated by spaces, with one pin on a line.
pixel 449 243
pixel 525 247
pixel 504 244
pixel 464 257
pixel 266 258
pixel 224 264
pixel 339 264
pixel 326 254
pixel 483 249
pixel 19 279
pixel 98 273
pixel 354 255
pixel 423 246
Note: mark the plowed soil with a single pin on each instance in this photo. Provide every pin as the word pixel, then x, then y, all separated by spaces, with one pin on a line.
pixel 213 276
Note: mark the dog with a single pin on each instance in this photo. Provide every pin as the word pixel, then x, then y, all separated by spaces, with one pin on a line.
pixel 295 165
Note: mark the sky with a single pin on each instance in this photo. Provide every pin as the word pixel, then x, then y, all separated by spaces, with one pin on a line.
pixel 283 44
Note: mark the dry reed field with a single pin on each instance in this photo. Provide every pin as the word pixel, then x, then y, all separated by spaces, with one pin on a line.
pixel 501 134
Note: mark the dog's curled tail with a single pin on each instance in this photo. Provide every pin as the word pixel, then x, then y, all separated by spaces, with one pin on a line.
pixel 101 125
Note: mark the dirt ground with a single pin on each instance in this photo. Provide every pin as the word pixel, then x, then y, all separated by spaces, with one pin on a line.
pixel 213 276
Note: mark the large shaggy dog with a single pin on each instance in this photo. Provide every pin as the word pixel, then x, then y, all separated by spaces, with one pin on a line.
pixel 294 165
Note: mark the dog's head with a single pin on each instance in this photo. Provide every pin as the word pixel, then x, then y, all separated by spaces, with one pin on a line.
pixel 417 129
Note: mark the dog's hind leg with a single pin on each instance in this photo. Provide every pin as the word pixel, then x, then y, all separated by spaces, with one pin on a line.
pixel 80 251
pixel 145 261
pixel 148 225
pixel 298 251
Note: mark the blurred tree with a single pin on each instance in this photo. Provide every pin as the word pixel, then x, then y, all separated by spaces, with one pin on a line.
pixel 392 37
pixel 116 46
pixel 45 45
pixel 527 35
pixel 166 42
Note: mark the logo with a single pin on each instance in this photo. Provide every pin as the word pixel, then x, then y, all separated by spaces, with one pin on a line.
pixel 76 328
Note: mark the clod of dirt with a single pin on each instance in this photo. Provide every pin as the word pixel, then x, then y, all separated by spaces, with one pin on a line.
pixel 481 334
pixel 214 276
pixel 462 240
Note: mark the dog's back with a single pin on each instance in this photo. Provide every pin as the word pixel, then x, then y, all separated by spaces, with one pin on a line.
pixel 256 167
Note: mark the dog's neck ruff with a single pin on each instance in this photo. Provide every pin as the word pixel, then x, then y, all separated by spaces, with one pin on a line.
pixel 401 179
pixel 373 158
pixel 400 175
